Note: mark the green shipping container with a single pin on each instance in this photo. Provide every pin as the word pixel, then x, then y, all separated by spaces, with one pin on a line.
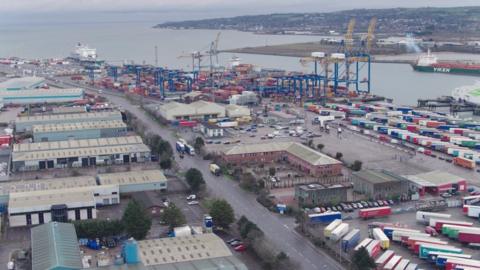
pixel 424 250
pixel 450 232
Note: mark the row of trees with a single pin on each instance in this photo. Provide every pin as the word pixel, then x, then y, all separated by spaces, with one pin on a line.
pixel 161 148
pixel 135 223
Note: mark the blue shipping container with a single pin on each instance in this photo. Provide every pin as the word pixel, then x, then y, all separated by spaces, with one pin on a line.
pixel 350 240
pixel 324 217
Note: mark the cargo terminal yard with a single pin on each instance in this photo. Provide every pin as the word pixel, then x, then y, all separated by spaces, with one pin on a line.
pixel 357 169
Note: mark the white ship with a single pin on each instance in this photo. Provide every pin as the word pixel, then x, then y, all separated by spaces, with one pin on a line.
pixel 468 93
pixel 84 53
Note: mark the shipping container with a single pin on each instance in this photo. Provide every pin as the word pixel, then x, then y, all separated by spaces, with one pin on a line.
pixel 389 231
pixel 463 162
pixel 438 223
pixel 440 258
pixel 350 240
pixel 379 235
pixel 402 236
pixel 416 245
pixel 384 258
pixel 339 232
pixel 472 211
pixel 424 217
pixel 412 266
pixel 392 263
pixel 452 263
pixel 324 217
pixel 375 212
pixel 364 243
pixel 402 264
pixel 426 248
pixel 452 231
pixel 374 248
pixel 328 230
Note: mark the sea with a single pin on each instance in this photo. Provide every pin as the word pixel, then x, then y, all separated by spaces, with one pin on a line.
pixel 126 42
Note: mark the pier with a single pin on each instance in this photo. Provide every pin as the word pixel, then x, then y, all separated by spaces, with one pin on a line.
pixel 449 102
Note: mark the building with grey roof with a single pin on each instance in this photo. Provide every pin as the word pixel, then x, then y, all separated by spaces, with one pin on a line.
pixel 79 153
pixel 22 83
pixel 41 96
pixel 26 123
pixel 79 130
pixel 135 181
pixel 320 194
pixel 55 246
pixel 435 182
pixel 380 184
pixel 198 110
pixel 300 156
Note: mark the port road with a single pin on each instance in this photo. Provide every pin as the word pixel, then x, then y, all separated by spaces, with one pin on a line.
pixel 280 230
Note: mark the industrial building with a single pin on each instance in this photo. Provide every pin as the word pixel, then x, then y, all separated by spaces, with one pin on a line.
pixel 246 98
pixel 319 194
pixel 135 181
pixel 380 184
pixel 199 110
pixel 26 123
pixel 41 96
pixel 436 182
pixel 67 110
pixel 79 130
pixel 22 83
pixel 55 246
pixel 38 207
pixel 236 111
pixel 211 130
pixel 78 153
pixel 298 155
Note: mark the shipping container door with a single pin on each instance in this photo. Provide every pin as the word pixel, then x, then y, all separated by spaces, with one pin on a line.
pixel 42 165
pixel 126 159
pixel 84 162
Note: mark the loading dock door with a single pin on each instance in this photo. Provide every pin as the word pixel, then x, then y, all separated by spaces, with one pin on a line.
pixel 42 165
pixel 59 213
pixel 50 164
pixel 93 161
pixel 126 159
pixel 84 162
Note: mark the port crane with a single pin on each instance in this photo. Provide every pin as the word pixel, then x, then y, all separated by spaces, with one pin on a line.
pixel 196 56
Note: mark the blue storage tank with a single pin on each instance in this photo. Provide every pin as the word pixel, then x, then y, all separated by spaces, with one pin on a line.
pixel 130 252
pixel 324 217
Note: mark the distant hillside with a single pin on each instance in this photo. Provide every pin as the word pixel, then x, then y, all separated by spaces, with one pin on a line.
pixel 458 21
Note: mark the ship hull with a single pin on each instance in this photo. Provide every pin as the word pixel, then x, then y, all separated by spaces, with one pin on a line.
pixel 452 70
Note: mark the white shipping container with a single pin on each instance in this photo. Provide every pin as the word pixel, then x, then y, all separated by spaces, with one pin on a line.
pixel 364 243
pixel 392 262
pixel 433 222
pixel 397 235
pixel 384 257
pixel 473 211
pixel 327 232
pixel 402 264
pixel 339 232
pixel 424 217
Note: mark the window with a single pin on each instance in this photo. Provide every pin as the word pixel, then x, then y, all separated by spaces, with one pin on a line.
pixel 77 214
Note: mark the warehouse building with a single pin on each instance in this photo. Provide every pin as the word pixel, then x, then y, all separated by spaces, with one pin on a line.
pixel 22 83
pixel 79 153
pixel 236 111
pixel 380 184
pixel 79 130
pixel 135 181
pixel 67 110
pixel 199 110
pixel 298 155
pixel 319 194
pixel 55 246
pixel 246 98
pixel 211 130
pixel 26 123
pixel 38 207
pixel 41 96
pixel 436 182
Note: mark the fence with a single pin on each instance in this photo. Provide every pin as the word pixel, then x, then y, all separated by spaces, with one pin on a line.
pixel 293 181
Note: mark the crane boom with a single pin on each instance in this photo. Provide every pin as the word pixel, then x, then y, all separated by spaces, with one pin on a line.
pixel 371 33
pixel 349 36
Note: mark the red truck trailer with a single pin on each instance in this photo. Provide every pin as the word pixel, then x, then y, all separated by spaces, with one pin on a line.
pixel 375 212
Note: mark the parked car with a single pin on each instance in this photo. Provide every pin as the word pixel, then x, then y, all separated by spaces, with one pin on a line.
pixel 240 248
pixel 446 195
pixel 375 204
pixel 235 243
pixel 192 197
pixel 386 203
pixel 391 202
pixel 354 205
pixel 340 208
pixel 232 240
pixel 380 202
pixel 334 208
pixel 193 203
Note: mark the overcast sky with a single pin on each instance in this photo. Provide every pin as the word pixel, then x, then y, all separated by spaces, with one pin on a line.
pixel 186 9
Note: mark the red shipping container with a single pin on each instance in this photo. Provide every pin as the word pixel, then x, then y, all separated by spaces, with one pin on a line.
pixel 415 247
pixel 412 128
pixel 5 139
pixel 452 264
pixel 375 249
pixel 468 237
pixel 187 123
pixel 427 152
pixel 439 225
pixel 375 212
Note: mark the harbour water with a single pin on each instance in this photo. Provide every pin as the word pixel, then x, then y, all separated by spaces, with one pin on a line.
pixel 117 42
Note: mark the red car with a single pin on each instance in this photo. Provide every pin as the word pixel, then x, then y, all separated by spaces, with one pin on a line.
pixel 240 248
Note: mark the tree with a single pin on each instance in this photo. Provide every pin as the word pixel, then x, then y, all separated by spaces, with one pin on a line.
pixel 320 146
pixel 173 216
pixel 96 228
pixel 199 143
pixel 357 165
pixel 165 148
pixel 136 221
pixel 166 163
pixel 272 171
pixel 310 143
pixel 361 260
pixel 339 155
pixel 194 179
pixel 222 213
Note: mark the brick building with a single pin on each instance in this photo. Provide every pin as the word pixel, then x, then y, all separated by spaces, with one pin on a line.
pixel 298 155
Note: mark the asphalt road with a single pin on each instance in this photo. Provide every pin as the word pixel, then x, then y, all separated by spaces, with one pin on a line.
pixel 280 230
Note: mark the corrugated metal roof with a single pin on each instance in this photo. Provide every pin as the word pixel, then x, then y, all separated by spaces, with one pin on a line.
pixel 21 83
pixel 25 200
pixel 132 177
pixel 297 149
pixel 70 144
pixel 435 178
pixel 37 93
pixel 378 177
pixel 182 249
pixel 55 245
pixel 63 127
pixel 64 110
pixel 46 184
pixel 195 108
pixel 70 116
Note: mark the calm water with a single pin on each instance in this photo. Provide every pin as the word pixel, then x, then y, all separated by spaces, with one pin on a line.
pixel 117 42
